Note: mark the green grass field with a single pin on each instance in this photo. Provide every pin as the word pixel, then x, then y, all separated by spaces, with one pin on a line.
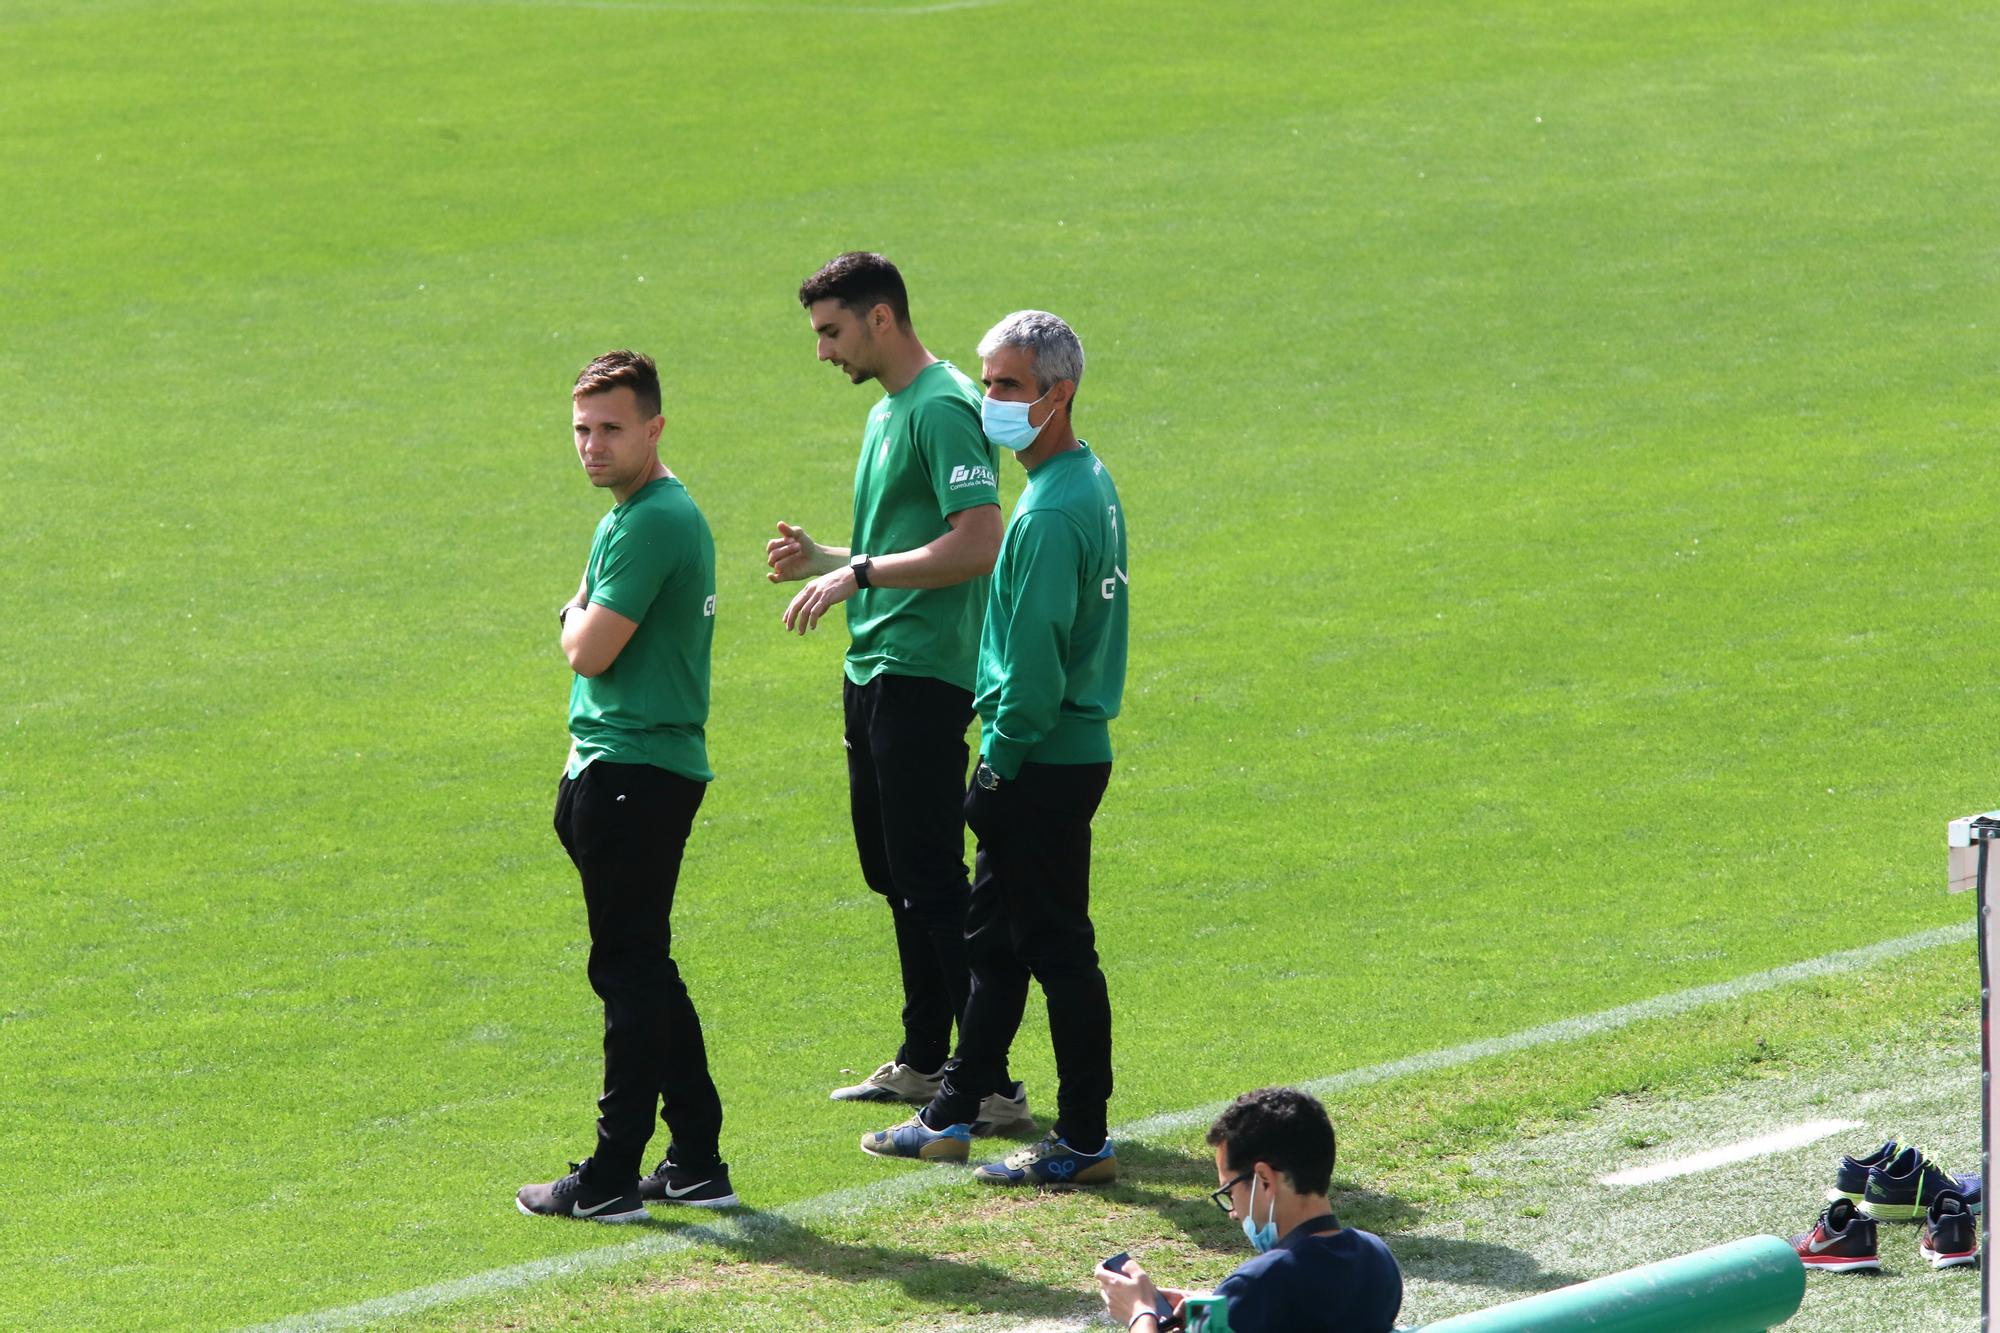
pixel 1551 439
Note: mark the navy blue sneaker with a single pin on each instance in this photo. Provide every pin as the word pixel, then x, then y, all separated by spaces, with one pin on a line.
pixel 913 1138
pixel 1051 1162
pixel 1968 1184
pixel 1949 1239
pixel 575 1196
pixel 1902 1189
pixel 1850 1176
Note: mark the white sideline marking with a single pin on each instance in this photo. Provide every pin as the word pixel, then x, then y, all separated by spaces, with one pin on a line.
pixel 1798 1136
pixel 745 1226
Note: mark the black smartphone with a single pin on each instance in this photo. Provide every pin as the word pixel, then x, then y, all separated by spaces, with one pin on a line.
pixel 1162 1311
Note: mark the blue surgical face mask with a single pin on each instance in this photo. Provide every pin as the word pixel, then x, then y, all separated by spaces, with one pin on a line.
pixel 1006 423
pixel 1264 1237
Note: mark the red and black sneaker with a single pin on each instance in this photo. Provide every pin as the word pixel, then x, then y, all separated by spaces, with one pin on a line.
pixel 1842 1241
pixel 1949 1239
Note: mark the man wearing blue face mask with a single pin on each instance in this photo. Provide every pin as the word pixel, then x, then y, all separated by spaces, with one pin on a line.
pixel 1051 673
pixel 1274 1151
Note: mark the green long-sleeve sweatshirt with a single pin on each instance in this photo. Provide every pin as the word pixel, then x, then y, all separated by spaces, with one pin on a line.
pixel 1052 652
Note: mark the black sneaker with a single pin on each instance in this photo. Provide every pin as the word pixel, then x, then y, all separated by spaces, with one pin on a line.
pixel 1949 1239
pixel 673 1183
pixel 574 1196
pixel 1840 1242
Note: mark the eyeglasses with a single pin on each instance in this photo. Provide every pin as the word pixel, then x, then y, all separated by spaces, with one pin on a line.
pixel 1220 1198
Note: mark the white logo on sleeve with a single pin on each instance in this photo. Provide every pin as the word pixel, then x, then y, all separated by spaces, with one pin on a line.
pixel 963 476
pixel 708 607
pixel 1111 584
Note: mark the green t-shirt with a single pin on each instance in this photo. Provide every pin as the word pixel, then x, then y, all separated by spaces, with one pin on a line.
pixel 1052 654
pixel 923 457
pixel 652 561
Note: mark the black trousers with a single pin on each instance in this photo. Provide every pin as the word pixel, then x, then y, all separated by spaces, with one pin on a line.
pixel 906 760
pixel 1030 917
pixel 625 826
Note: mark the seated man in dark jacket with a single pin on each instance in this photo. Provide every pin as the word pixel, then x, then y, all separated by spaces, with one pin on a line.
pixel 1274 1161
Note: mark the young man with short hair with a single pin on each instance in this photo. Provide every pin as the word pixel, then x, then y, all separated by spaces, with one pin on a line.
pixel 926 526
pixel 1051 675
pixel 1274 1152
pixel 638 635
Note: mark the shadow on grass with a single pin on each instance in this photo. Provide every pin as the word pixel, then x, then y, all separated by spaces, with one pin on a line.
pixel 1172 1184
pixel 769 1238
pixel 1175 1185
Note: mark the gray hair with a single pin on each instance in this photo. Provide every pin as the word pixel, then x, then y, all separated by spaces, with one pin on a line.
pixel 1057 352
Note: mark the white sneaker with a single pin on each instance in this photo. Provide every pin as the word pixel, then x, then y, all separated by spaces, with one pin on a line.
pixel 893 1082
pixel 1004 1113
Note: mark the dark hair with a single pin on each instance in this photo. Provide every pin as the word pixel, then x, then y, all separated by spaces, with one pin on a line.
pixel 623 369
pixel 1282 1126
pixel 860 280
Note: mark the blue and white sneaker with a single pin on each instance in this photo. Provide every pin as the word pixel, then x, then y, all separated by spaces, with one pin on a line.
pixel 913 1138
pixel 1052 1162
pixel 1966 1186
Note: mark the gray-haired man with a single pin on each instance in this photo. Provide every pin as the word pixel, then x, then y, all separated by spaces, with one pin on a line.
pixel 1051 673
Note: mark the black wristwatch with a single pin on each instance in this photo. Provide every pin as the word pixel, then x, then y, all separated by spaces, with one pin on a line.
pixel 987 779
pixel 860 564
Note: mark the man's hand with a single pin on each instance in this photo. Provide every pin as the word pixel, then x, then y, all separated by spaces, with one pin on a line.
pixel 986 811
pixel 794 555
pixel 1126 1292
pixel 817 598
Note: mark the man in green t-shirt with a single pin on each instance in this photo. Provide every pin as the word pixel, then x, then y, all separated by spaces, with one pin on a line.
pixel 1051 675
pixel 637 634
pixel 926 526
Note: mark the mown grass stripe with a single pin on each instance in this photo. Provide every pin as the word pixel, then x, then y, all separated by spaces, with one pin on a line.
pixel 1588 1025
pixel 738 1226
